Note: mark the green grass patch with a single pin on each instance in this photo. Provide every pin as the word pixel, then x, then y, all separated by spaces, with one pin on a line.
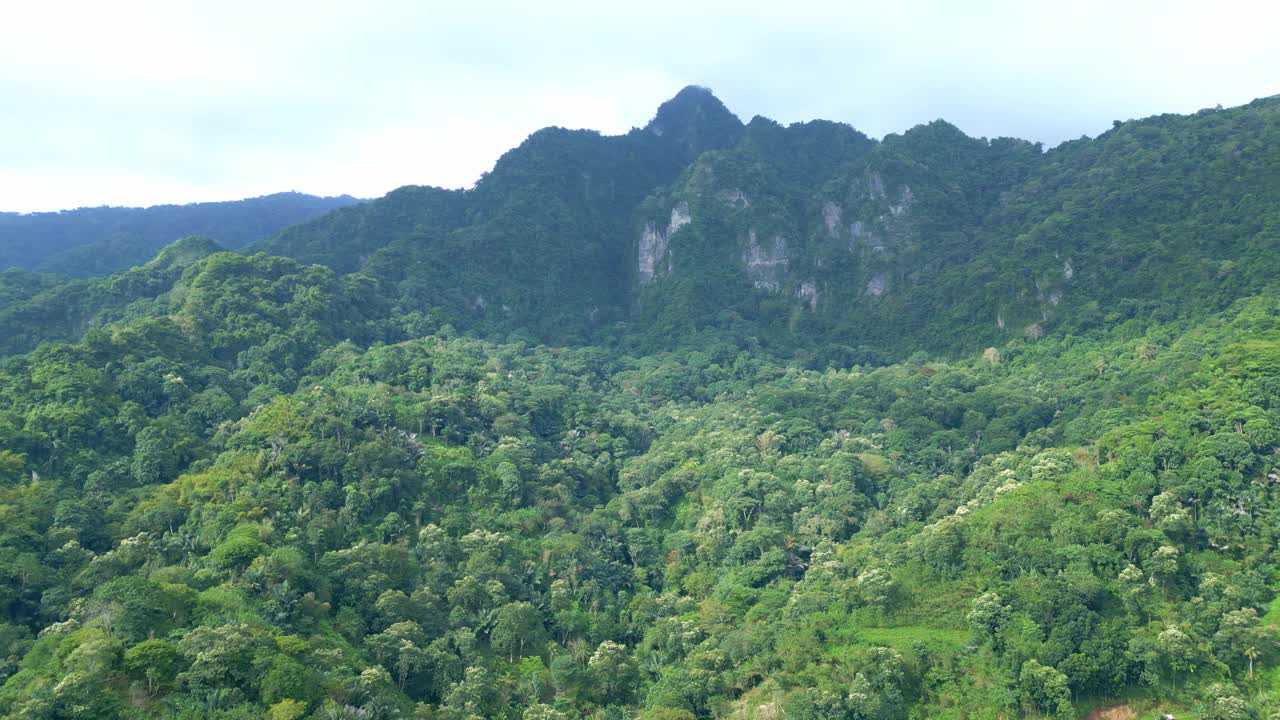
pixel 902 638
pixel 1273 613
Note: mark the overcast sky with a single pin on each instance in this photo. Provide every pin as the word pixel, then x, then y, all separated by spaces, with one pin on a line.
pixel 137 103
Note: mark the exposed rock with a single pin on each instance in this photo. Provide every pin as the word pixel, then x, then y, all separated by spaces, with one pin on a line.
pixel 831 216
pixel 877 285
pixel 679 218
pixel 905 199
pixel 876 186
pixel 654 244
pixel 863 233
pixel 653 248
pixel 1068 272
pixel 765 262
pixel 809 291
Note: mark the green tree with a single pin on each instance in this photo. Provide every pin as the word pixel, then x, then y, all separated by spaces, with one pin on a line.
pixel 155 661
pixel 517 625
pixel 614 672
pixel 1045 689
pixel 288 679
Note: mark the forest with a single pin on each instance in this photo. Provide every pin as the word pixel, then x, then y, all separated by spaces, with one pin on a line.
pixel 101 240
pixel 926 427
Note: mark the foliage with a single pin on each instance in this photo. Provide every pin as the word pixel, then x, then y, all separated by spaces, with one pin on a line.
pixel 239 491
pixel 99 241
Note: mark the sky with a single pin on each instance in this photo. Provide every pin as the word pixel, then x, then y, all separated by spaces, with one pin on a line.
pixel 138 102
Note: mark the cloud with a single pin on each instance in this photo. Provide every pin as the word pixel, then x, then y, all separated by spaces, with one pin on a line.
pixel 136 102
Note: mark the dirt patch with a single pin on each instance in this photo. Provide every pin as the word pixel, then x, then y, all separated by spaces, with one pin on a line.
pixel 1119 712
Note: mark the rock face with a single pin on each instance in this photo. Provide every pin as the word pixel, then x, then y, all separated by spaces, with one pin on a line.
pixel 653 246
pixel 875 187
pixel 832 231
pixel 679 218
pixel 654 251
pixel 905 200
pixel 877 285
pixel 809 293
pixel 766 262
pixel 859 232
pixel 846 251
pixel 831 213
pixel 812 218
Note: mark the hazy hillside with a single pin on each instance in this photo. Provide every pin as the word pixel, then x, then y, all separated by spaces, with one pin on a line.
pixel 103 240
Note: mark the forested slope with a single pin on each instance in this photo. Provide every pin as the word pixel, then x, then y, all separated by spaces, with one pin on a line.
pixel 230 506
pixel 87 242
pixel 246 486
pixel 816 240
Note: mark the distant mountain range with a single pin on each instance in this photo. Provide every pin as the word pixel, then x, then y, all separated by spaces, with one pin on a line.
pixel 103 240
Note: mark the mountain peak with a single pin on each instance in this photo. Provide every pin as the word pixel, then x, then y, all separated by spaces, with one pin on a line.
pixel 184 251
pixel 696 119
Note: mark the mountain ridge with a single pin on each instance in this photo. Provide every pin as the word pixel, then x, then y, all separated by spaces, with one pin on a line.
pixel 925 208
pixel 89 241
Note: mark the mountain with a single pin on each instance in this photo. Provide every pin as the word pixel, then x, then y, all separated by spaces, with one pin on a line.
pixel 102 240
pixel 542 243
pixel 813 235
pixel 39 308
pixel 706 420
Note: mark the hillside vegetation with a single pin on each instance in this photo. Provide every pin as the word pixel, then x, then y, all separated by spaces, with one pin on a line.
pixel 991 432
pixel 86 242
